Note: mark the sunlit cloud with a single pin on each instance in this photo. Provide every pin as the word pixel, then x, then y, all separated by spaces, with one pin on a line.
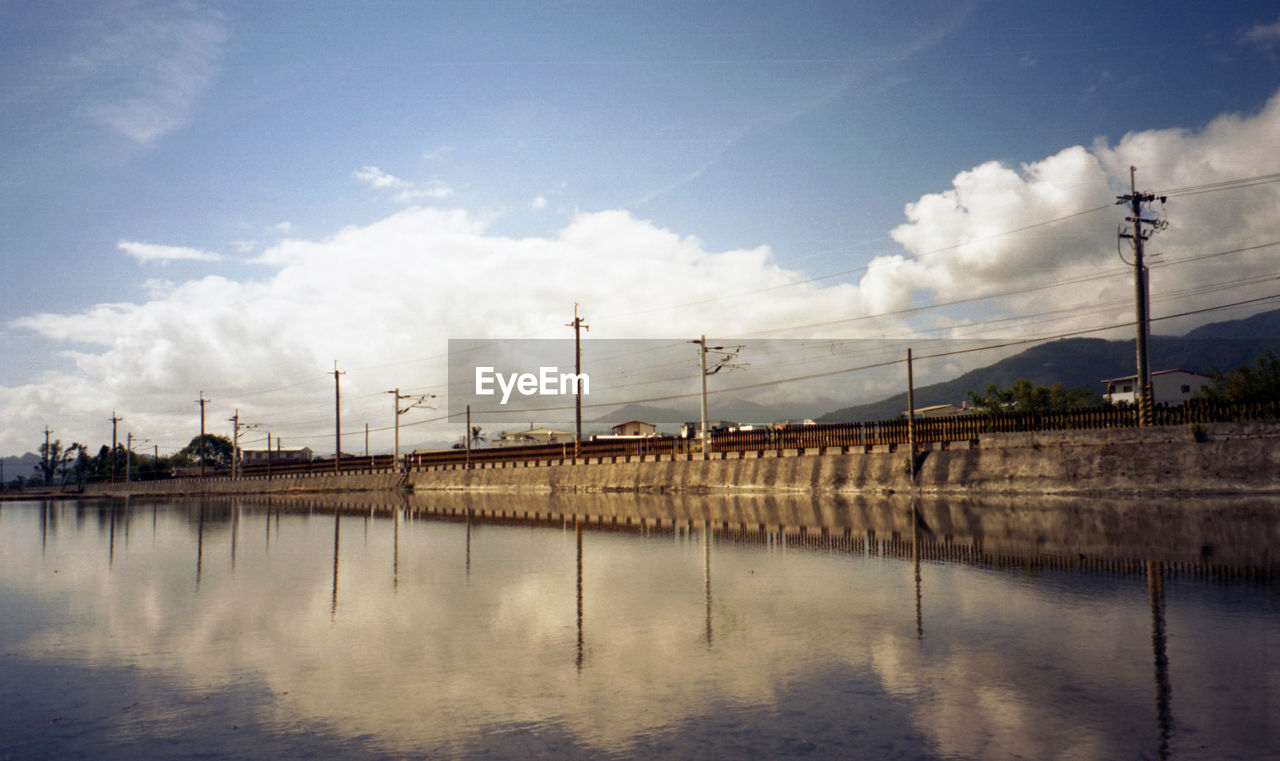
pixel 151 252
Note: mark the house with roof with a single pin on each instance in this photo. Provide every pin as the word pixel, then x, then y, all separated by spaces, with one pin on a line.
pixel 1171 387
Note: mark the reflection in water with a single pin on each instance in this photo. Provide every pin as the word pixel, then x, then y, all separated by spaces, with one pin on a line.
pixel 1164 712
pixel 337 526
pixel 1025 657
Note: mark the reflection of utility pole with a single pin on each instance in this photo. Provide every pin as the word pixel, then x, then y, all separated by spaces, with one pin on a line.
pixel 915 559
pixel 1135 200
pixel 578 326
pixel 707 576
pixel 337 524
pixel 577 530
pixel 1164 712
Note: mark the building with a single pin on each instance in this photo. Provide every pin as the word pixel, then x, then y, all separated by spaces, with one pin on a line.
pixel 941 410
pixel 1171 387
pixel 256 456
pixel 533 435
pixel 634 428
pixel 693 429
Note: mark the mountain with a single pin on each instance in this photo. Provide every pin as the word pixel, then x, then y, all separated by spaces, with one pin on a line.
pixel 1088 361
pixel 20 466
pixel 644 412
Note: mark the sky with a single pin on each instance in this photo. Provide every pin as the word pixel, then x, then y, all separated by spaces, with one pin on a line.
pixel 225 199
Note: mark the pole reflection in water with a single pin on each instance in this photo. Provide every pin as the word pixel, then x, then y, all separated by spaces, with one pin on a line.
pixel 337 525
pixel 395 550
pixel 111 543
pixel 199 544
pixel 915 560
pixel 706 575
pixel 1164 707
pixel 235 525
pixel 578 657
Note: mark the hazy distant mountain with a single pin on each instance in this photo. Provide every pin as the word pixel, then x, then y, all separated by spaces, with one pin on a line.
pixel 20 466
pixel 1088 361
pixel 643 412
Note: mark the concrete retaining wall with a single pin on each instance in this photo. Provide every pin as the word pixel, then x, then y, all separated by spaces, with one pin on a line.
pixel 1212 459
pixel 1209 459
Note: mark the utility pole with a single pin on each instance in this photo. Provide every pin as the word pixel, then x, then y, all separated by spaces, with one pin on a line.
pixel 202 402
pixel 235 444
pixel 467 435
pixel 1138 235
pixel 578 326
pixel 726 353
pixel 702 426
pixel 421 403
pixel 911 420
pixel 128 455
pixel 337 415
pixel 48 456
pixel 114 421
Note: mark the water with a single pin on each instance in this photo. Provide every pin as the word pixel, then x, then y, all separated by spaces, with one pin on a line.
pixel 313 628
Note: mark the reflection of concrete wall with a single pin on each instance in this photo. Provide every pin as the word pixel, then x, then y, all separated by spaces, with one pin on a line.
pixel 1201 533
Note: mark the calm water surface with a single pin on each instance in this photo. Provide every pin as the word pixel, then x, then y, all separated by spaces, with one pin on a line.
pixel 240 629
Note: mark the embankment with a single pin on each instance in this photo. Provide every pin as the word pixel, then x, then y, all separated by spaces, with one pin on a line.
pixel 1225 458
pixel 1212 459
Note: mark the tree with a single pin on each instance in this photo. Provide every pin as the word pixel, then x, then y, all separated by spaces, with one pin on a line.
pixel 50 454
pixel 1022 396
pixel 217 452
pixel 1256 381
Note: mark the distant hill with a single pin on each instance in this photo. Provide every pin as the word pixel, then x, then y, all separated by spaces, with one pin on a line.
pixel 20 466
pixel 1088 361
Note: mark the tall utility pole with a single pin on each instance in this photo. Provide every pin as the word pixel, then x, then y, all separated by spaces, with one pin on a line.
pixel 421 403
pixel 128 455
pixel 114 421
pixel 337 415
pixel 235 444
pixel 202 402
pixel 1134 200
pixel 911 419
pixel 726 353
pixel 48 456
pixel 578 326
pixel 702 425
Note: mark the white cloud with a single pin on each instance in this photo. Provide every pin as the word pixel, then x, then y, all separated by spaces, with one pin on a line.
pixel 151 252
pixel 152 64
pixel 1263 33
pixel 409 191
pixel 376 178
pixel 539 203
pixel 282 227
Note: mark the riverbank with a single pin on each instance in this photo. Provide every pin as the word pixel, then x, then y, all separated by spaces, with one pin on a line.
pixel 1223 458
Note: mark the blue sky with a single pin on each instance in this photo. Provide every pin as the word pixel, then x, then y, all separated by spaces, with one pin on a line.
pixel 226 174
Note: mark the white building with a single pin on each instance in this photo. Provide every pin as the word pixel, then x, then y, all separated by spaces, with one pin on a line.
pixel 1171 387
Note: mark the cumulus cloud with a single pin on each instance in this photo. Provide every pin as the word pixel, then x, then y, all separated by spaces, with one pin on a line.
pixel 384 298
pixel 151 252
pixel 539 203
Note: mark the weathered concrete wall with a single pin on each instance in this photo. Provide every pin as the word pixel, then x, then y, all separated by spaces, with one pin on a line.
pixel 1211 459
pixel 1223 458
